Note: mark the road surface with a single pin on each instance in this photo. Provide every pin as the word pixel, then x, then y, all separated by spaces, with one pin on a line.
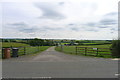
pixel 51 63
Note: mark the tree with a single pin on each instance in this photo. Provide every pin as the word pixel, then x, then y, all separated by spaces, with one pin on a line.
pixel 6 40
pixel 41 42
pixel 72 42
pixel 36 42
pixel 115 48
pixel 79 42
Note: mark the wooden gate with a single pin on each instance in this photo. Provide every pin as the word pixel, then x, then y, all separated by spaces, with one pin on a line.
pixel 93 51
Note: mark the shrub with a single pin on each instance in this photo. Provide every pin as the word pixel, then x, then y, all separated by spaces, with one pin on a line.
pixel 115 48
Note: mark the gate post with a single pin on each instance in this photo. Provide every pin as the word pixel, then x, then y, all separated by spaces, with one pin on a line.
pixel 97 52
pixel 24 50
pixel 76 50
pixel 85 51
pixel 62 48
pixel 38 48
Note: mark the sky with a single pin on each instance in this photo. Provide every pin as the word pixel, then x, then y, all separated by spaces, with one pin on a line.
pixel 59 19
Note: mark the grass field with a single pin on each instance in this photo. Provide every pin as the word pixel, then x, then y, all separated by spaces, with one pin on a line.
pixel 94 43
pixel 25 48
pixel 65 43
pixel 72 49
pixel 9 44
pixel 32 50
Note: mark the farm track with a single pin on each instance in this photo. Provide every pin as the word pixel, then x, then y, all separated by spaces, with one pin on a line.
pixel 51 63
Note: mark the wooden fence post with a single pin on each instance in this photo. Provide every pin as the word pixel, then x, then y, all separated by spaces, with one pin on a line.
pixel 38 48
pixel 97 52
pixel 24 50
pixel 76 50
pixel 11 47
pixel 62 48
pixel 85 51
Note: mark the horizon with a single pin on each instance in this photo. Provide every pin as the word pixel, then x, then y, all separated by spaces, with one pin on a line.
pixel 52 39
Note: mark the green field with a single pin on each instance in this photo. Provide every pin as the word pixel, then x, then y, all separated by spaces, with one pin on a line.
pixel 98 46
pixel 65 43
pixel 72 49
pixel 32 50
pixel 9 44
pixel 94 43
pixel 25 48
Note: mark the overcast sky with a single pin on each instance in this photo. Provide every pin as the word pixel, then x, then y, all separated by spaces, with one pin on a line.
pixel 60 19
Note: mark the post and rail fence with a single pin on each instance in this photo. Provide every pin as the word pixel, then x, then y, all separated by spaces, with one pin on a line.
pixel 93 51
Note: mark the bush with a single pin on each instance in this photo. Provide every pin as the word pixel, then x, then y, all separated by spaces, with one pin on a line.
pixel 115 48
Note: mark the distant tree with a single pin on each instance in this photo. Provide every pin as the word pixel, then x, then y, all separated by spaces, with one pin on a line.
pixel 12 40
pixel 79 42
pixel 41 42
pixel 36 42
pixel 72 42
pixel 6 40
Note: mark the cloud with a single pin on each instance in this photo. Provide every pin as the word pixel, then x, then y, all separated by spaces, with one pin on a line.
pixel 92 30
pixel 46 28
pixel 18 24
pixel 101 26
pixel 108 22
pixel 61 19
pixel 112 14
pixel 71 24
pixel 50 11
pixel 91 24
pixel 111 32
pixel 113 29
pixel 28 30
pixel 61 3
pixel 74 29
pixel 23 27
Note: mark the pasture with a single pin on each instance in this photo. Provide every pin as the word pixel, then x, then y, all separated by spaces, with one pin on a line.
pixel 13 44
pixel 32 50
pixel 24 49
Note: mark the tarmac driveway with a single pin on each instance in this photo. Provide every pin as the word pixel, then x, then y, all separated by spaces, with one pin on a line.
pixel 51 63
